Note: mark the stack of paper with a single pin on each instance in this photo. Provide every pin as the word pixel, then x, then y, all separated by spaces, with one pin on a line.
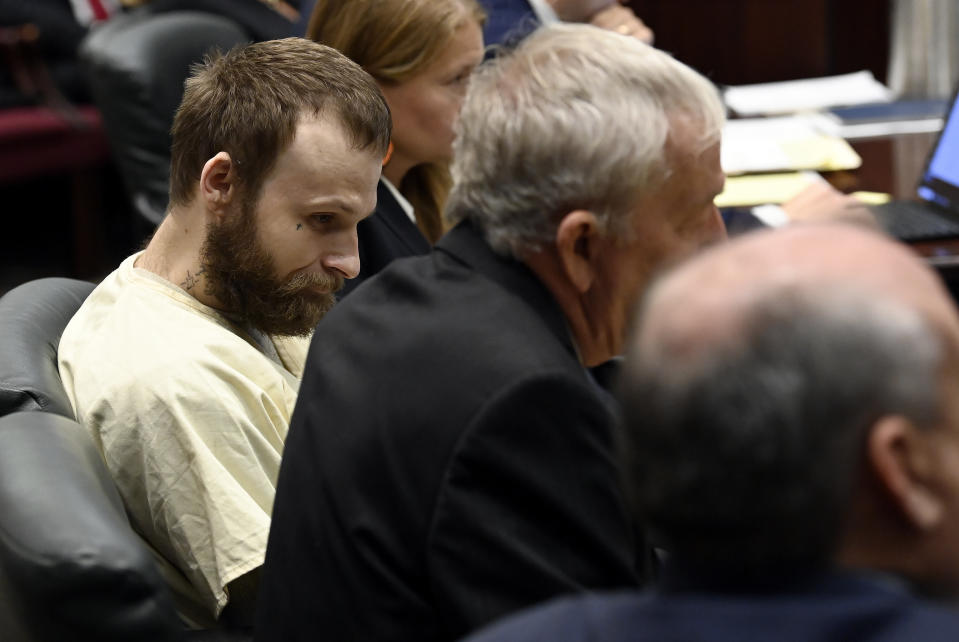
pixel 814 94
pixel 785 143
pixel 772 157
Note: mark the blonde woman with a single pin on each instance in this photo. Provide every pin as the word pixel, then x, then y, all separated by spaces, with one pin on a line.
pixel 421 53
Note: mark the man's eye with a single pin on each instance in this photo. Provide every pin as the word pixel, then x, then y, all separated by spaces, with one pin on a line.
pixel 321 219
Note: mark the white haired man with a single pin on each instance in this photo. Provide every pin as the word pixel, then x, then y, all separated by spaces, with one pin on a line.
pixel 451 458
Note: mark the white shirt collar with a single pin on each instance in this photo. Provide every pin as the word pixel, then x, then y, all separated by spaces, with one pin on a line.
pixel 543 11
pixel 405 204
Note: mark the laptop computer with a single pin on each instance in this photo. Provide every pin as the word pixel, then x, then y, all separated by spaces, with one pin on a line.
pixel 936 214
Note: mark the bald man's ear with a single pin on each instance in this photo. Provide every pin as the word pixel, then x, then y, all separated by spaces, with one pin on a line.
pixel 578 244
pixel 900 456
pixel 218 183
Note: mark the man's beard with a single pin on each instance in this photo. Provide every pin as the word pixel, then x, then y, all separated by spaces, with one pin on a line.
pixel 240 273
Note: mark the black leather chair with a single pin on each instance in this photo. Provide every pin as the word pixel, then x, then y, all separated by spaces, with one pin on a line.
pixel 70 566
pixel 32 318
pixel 137 63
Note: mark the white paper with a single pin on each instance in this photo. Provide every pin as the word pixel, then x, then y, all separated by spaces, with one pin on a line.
pixel 813 94
pixel 784 143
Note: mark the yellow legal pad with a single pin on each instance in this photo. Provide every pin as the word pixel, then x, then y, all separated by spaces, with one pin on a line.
pixel 758 189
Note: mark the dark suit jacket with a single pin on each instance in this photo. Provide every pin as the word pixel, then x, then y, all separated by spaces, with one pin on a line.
pixel 449 460
pixel 838 608
pixel 507 21
pixel 384 236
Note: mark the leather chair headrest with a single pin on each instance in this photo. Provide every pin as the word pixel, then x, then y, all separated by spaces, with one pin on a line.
pixel 32 318
pixel 136 64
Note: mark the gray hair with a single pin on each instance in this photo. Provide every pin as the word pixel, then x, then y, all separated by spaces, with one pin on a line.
pixel 743 454
pixel 575 118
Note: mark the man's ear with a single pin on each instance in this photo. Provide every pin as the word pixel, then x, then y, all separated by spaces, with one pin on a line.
pixel 578 246
pixel 218 183
pixel 900 456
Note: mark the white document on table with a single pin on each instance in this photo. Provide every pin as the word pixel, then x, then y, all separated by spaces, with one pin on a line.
pixel 784 143
pixel 812 94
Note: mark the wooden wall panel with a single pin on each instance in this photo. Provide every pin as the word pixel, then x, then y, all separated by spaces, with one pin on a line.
pixel 745 41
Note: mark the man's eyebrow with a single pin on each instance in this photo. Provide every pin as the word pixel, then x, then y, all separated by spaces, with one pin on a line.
pixel 332 202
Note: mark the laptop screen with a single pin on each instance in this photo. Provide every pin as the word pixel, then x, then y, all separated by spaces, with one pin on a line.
pixel 940 182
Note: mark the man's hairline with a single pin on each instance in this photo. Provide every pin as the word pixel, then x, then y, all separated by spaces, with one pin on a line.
pixel 306 114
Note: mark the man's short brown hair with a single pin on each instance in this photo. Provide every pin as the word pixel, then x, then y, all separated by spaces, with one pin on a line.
pixel 249 101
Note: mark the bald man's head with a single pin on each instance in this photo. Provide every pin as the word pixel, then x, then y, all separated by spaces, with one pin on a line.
pixel 756 373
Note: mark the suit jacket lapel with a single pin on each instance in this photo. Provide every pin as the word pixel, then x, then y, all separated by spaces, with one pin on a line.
pixel 396 220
